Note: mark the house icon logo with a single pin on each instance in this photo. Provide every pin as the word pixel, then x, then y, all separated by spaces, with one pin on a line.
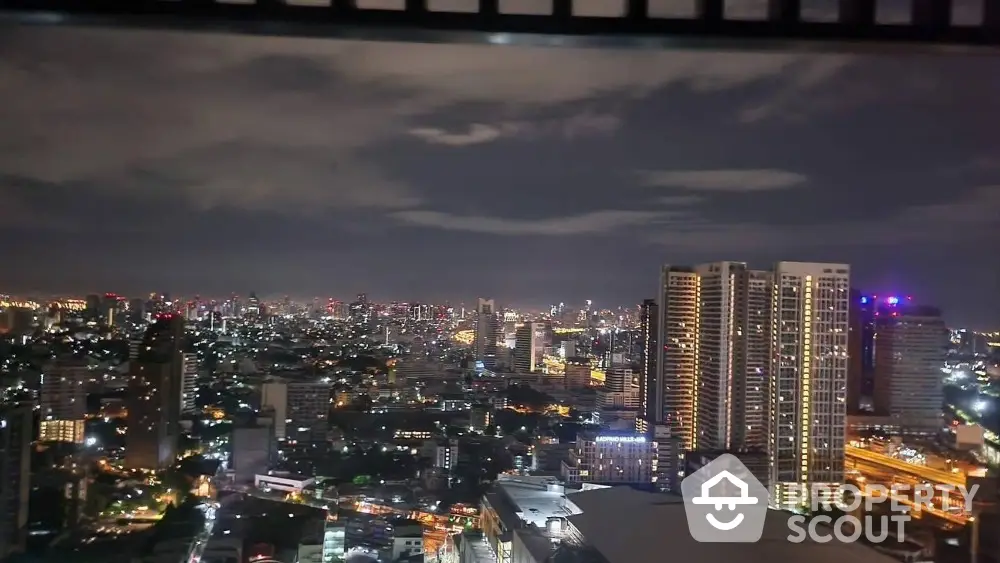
pixel 724 502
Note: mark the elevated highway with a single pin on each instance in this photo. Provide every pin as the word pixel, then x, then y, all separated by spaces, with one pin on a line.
pixel 858 458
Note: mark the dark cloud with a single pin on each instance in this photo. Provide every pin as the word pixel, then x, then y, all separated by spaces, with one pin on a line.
pixel 215 164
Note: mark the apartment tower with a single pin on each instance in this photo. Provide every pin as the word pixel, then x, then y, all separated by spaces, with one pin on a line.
pixel 714 355
pixel 808 395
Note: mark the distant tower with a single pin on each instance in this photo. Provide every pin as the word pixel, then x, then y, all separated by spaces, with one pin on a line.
pixel 649 317
pixel 529 345
pixel 487 327
pixel 909 353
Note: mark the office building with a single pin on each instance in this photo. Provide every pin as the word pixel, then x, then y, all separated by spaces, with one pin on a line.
pixel 62 401
pixel 529 346
pixel 308 411
pixel 567 349
pixel 577 373
pixel 910 348
pixel 619 399
pixel 808 393
pixel 15 477
pixel 301 409
pixel 154 395
pixel 446 454
pixel 611 459
pixel 618 402
pixel 253 450
pixel 486 333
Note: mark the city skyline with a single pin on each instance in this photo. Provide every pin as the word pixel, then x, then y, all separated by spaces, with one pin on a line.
pixel 208 164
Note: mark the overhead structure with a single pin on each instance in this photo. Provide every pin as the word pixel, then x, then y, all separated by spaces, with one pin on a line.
pixel 567 22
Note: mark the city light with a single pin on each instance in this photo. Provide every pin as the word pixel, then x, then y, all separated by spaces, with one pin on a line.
pixel 627 439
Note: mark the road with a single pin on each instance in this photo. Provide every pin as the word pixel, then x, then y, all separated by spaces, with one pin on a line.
pixel 873 479
pixel 935 476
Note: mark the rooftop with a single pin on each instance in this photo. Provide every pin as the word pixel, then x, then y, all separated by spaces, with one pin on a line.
pixel 646 525
pixel 534 500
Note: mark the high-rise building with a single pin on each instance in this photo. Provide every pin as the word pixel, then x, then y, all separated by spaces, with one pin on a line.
pixel 677 354
pixel 308 411
pixel 910 348
pixel 62 401
pixel 618 402
pixel 136 310
pixel 15 477
pixel 750 359
pixel 485 338
pixel 189 383
pixel 154 395
pixel 713 355
pixel 861 350
pixel 808 394
pixel 611 459
pixel 529 345
pixel 733 355
pixel 649 334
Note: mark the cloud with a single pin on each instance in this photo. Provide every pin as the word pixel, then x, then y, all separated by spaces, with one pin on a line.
pixel 588 223
pixel 722 180
pixel 932 223
pixel 151 109
pixel 479 133
pixel 679 200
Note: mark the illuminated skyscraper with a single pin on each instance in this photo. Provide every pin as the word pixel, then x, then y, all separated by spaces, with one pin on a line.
pixel 529 345
pixel 713 355
pixel 155 395
pixel 909 353
pixel 677 354
pixel 809 331
pixel 649 333
pixel 189 383
pixel 63 401
pixel 753 360
pixel 487 327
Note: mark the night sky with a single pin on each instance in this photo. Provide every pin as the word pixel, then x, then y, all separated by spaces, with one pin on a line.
pixel 212 164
